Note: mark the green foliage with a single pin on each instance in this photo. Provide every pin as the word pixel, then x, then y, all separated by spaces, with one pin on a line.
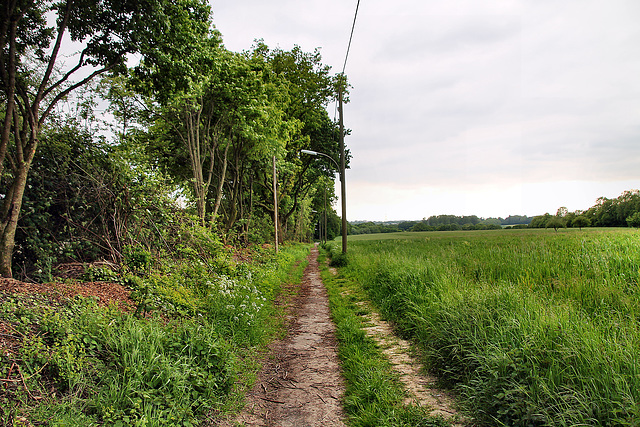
pixel 634 220
pixel 168 364
pixel 137 259
pixel 101 274
pixel 86 202
pixel 455 223
pixel 532 328
pixel 605 213
pixel 105 34
pixel 556 222
pixel 338 258
pixel 580 221
pixel 372 228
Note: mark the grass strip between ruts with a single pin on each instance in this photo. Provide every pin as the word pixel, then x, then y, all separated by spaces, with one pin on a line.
pixel 374 395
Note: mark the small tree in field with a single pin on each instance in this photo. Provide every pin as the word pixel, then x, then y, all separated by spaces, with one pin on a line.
pixel 634 220
pixel 555 223
pixel 581 221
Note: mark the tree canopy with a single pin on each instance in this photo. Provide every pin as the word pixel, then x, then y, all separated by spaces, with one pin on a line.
pixel 205 121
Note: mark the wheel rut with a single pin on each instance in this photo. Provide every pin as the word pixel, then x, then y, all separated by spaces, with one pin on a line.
pixel 301 384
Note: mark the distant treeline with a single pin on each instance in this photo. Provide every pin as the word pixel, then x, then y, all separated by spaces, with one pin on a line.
pixel 623 211
pixel 439 223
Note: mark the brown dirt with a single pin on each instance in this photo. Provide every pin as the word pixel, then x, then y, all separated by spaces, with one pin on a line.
pixel 301 384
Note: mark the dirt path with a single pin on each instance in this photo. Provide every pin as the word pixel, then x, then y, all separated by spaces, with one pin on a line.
pixel 421 387
pixel 301 384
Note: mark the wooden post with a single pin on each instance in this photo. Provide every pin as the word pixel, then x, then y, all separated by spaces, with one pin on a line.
pixel 343 188
pixel 325 216
pixel 275 200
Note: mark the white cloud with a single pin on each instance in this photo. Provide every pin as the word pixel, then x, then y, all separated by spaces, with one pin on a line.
pixel 465 107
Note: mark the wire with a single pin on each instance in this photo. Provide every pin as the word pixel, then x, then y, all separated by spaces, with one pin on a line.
pixel 344 66
pixel 351 37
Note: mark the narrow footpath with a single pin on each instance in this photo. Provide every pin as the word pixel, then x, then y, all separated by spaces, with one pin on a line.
pixel 301 384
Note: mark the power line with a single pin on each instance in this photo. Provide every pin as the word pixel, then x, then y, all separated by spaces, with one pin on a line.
pixel 344 66
pixel 351 37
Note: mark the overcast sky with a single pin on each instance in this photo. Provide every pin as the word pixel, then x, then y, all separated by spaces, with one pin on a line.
pixel 463 107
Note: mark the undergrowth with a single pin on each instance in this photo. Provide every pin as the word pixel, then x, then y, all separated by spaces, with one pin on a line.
pixel 172 362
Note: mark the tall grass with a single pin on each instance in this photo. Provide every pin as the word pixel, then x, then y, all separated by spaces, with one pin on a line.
pixel 533 328
pixel 374 396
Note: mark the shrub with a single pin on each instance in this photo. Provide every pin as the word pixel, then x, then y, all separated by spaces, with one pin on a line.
pixel 339 259
pixel 634 220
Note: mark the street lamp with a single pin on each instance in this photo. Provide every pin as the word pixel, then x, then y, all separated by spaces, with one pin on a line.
pixel 315 153
pixel 343 195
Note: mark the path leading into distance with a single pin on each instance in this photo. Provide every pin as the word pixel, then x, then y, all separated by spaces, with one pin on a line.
pixel 301 384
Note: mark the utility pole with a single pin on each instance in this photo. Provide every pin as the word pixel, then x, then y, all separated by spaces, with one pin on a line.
pixel 325 216
pixel 343 188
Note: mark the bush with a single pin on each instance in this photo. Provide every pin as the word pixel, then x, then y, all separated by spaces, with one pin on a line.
pixel 339 259
pixel 634 220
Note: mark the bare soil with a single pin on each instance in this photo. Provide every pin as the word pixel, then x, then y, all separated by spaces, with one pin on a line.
pixel 300 385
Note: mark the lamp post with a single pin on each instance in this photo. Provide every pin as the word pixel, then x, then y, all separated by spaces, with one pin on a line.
pixel 342 195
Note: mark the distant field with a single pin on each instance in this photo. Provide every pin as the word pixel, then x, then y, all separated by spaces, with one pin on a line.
pixel 533 327
pixel 475 233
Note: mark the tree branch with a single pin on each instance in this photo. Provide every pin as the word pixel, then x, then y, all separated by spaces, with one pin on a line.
pixel 66 76
pixel 72 88
pixel 54 54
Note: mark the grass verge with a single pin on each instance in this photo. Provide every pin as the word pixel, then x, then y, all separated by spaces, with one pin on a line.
pixel 374 395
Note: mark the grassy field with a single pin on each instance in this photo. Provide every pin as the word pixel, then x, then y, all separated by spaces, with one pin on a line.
pixel 531 327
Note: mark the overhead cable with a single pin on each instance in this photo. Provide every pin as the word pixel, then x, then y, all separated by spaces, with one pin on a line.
pixel 351 37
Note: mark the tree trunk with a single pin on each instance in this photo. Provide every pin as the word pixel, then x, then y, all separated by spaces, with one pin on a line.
pixel 223 176
pixel 10 76
pixel 10 221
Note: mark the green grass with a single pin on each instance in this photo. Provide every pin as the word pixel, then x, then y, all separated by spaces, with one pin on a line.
pixel 374 395
pixel 532 327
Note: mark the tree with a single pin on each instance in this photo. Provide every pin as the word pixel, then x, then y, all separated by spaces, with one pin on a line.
pixel 555 222
pixel 634 220
pixel 218 136
pixel 33 80
pixel 305 90
pixel 580 221
pixel 191 83
pixel 540 221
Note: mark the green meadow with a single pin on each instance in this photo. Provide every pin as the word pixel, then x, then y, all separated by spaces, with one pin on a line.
pixel 529 327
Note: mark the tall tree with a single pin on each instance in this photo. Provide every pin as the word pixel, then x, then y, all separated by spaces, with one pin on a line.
pixel 310 87
pixel 34 78
pixel 220 124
